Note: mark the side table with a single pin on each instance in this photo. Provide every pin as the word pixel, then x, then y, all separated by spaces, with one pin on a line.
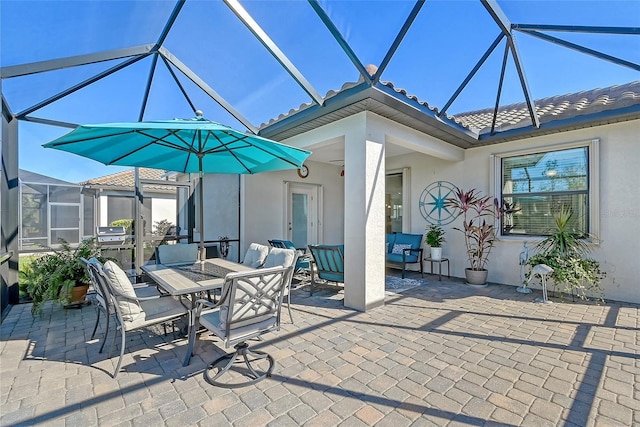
pixel 440 261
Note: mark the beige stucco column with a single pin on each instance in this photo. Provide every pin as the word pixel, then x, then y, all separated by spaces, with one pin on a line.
pixel 364 180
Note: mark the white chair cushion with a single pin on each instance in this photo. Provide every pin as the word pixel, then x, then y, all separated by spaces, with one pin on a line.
pixel 280 257
pixel 156 311
pixel 256 255
pixel 120 282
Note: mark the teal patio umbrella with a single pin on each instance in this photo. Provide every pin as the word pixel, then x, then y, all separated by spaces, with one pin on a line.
pixel 188 146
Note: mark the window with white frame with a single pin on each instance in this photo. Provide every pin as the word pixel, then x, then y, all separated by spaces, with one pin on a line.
pixel 534 185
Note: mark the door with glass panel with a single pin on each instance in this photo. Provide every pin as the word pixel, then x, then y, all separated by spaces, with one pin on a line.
pixel 303 214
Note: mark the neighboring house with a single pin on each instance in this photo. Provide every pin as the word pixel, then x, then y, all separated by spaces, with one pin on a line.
pixel 115 198
pixel 51 209
pixel 584 153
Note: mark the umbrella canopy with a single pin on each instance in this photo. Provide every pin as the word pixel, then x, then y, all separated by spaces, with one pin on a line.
pixel 189 146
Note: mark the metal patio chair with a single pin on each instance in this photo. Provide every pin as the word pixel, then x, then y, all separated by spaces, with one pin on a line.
pixel 249 307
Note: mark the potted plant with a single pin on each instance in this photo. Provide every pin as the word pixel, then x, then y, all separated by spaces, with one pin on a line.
pixel 61 276
pixel 566 251
pixel 479 213
pixel 435 239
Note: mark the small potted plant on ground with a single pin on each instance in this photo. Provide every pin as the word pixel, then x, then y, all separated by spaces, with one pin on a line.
pixel 435 239
pixel 479 213
pixel 566 251
pixel 61 276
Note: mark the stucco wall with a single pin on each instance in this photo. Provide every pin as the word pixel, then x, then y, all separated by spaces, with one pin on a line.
pixel 619 203
pixel 264 203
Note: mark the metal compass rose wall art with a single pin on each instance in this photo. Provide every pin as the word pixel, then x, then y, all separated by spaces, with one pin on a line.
pixel 433 200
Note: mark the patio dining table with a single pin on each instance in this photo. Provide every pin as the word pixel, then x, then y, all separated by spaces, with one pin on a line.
pixel 191 280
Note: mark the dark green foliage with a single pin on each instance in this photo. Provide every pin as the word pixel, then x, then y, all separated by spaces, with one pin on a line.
pixel 566 251
pixel 51 276
pixel 435 236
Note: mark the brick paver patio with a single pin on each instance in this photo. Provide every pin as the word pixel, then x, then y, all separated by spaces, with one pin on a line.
pixel 441 354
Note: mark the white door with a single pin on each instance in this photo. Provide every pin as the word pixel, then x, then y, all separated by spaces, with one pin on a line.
pixel 302 219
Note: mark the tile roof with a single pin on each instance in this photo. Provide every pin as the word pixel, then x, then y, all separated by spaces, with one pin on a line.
pixel 125 179
pixel 558 108
pixel 553 108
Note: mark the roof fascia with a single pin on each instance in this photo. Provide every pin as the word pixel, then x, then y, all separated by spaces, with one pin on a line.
pixel 273 48
pixel 631 112
pixel 72 61
pixel 409 106
pixel 340 100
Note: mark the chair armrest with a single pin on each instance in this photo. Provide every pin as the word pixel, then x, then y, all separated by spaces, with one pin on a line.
pixel 119 294
pixel 409 250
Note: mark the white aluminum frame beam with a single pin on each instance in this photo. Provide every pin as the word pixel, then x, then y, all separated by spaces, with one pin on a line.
pixel 505 25
pixel 72 61
pixel 273 48
pixel 206 88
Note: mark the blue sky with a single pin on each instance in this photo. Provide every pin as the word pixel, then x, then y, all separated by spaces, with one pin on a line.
pixel 446 40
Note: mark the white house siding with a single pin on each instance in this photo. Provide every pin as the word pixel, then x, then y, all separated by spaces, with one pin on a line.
pixel 264 199
pixel 435 160
pixel 619 203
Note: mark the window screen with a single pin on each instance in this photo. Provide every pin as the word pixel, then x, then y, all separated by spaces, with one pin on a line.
pixel 536 186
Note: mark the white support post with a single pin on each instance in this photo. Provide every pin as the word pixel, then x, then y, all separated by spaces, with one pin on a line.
pixel 364 218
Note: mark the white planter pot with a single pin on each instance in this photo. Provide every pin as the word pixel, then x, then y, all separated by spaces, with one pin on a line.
pixel 436 254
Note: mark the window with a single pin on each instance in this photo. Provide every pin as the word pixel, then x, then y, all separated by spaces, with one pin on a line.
pixel 534 185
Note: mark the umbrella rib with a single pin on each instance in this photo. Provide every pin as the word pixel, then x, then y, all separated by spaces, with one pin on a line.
pixel 93 138
pixel 223 147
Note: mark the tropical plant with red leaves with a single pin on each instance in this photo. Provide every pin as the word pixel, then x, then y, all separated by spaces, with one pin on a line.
pixel 479 213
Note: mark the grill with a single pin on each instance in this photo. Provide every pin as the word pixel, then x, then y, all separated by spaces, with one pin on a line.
pixel 111 235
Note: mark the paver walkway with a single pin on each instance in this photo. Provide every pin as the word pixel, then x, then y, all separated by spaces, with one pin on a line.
pixel 441 354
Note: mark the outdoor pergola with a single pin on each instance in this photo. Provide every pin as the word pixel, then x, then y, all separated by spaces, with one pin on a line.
pixel 228 74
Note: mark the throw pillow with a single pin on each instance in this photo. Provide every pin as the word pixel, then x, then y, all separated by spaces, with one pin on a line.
pixel 118 279
pixel 399 247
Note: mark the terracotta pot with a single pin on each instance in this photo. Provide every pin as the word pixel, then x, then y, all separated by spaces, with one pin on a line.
pixel 476 277
pixel 79 293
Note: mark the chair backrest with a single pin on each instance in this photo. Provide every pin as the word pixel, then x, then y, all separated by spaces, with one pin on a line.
pixel 284 244
pixel 253 300
pixel 279 256
pixel 180 253
pixel 92 266
pixel 119 292
pixel 256 255
pixel 329 260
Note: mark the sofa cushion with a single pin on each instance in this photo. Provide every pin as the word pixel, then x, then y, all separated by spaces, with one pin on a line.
pixel 415 240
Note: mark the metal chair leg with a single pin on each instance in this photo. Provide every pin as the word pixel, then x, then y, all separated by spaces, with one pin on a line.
pixel 95 327
pixel 242 349
pixel 115 374
pixel 106 334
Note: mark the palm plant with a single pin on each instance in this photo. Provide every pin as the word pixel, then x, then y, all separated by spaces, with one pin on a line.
pixel 566 251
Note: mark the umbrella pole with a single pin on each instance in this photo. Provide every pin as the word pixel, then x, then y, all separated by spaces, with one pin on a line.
pixel 202 251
